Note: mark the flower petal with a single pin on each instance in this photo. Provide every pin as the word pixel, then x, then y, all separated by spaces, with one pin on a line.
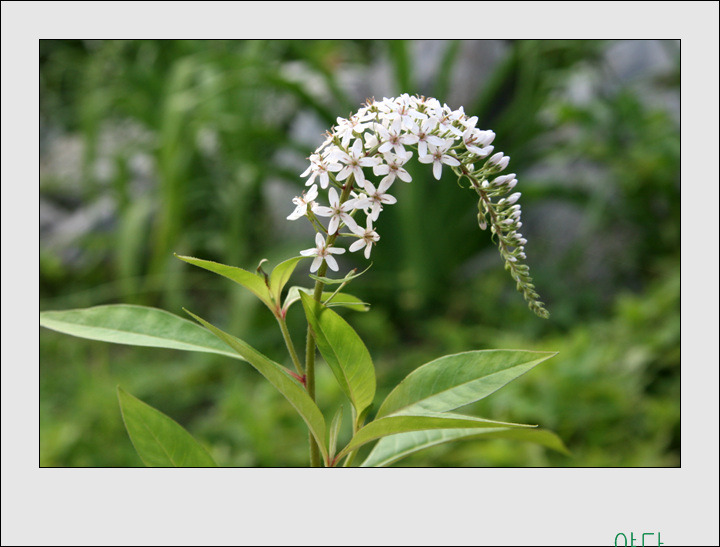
pixel 384 185
pixel 359 176
pixel 344 173
pixel 298 212
pixel 359 244
pixel 333 197
pixel 368 248
pixel 381 169
pixel 348 220
pixel 385 147
pixel 403 175
pixel 449 160
pixel 331 262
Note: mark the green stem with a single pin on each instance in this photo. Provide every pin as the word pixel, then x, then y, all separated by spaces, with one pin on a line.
pixel 290 345
pixel 310 365
pixel 310 342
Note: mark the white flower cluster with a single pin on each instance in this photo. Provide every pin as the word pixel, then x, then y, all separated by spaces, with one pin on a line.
pixel 376 138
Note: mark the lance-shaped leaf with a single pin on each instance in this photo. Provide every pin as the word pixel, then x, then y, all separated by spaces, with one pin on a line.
pixel 344 352
pixel 281 274
pixel 456 380
pixel 135 326
pixel 392 425
pixel 330 281
pixel 254 283
pixel 279 377
pixel 390 449
pixel 340 299
pixel 159 440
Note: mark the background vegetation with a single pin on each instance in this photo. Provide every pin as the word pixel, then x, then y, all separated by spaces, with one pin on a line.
pixel 195 147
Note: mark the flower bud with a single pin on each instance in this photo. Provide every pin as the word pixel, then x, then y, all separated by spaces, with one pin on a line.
pixel 481 221
pixel 485 137
pixel 495 158
pixel 503 163
pixel 504 179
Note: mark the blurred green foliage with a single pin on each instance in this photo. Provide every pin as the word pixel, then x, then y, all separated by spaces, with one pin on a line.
pixel 198 146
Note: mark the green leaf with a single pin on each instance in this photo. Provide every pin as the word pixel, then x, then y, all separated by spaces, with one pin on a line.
pixel 340 299
pixel 159 440
pixel 347 278
pixel 335 431
pixel 343 300
pixel 283 381
pixel 456 380
pixel 250 281
pixel 344 352
pixel 390 449
pixel 281 274
pixel 392 425
pixel 135 326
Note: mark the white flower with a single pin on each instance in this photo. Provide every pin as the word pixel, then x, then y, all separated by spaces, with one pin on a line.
pixel 437 156
pixel 302 203
pixel 354 162
pixel 359 202
pixel 376 198
pixel 354 124
pixel 322 252
pixel 337 212
pixel 394 167
pixel 320 166
pixel 405 112
pixel 368 238
pixel 476 141
pixel 393 137
pixel 446 119
pixel 469 123
pixel 371 140
pixel 425 138
pixel 431 104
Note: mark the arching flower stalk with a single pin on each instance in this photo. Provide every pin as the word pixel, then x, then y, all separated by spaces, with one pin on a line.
pixel 378 136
